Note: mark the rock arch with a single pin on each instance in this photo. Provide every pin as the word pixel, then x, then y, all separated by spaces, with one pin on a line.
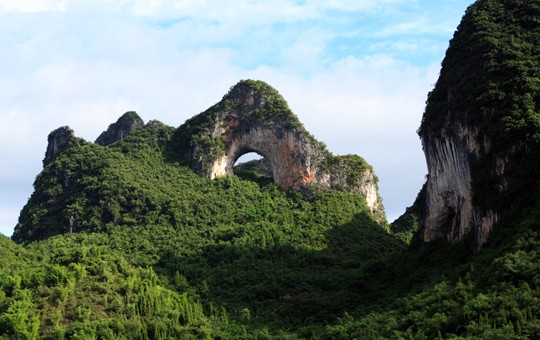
pixel 288 152
pixel 253 117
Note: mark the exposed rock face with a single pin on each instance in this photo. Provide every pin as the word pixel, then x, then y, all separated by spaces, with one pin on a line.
pixel 56 140
pixel 480 127
pixel 253 117
pixel 128 122
pixel 450 210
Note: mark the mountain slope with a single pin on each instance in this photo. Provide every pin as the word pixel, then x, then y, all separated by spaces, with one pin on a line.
pixel 124 242
pixel 276 256
pixel 481 127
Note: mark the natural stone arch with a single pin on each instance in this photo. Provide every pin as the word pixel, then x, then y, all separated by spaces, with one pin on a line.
pixel 253 117
pixel 234 161
pixel 285 151
pixel 249 156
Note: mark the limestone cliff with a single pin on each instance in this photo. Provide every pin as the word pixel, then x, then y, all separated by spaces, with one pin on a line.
pixel 481 126
pixel 128 122
pixel 450 209
pixel 56 141
pixel 253 117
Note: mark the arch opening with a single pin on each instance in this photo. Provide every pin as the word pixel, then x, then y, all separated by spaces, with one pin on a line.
pixel 254 167
pixel 248 157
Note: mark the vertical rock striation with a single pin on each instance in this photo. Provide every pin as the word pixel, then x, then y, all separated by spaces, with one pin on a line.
pixel 481 128
pixel 56 141
pixel 450 210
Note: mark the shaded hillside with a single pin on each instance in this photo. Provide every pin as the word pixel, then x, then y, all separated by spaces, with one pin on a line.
pixel 123 242
pixel 133 228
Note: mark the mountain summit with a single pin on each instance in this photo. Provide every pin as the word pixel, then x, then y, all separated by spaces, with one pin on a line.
pixel 254 117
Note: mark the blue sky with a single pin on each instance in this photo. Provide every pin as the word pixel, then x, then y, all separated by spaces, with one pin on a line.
pixel 356 72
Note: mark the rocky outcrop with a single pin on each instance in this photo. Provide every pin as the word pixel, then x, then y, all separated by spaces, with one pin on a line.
pixel 450 210
pixel 128 122
pixel 57 139
pixel 480 128
pixel 253 117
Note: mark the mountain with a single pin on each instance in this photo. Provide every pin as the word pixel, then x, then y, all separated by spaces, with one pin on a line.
pixel 253 117
pixel 481 127
pixel 128 122
pixel 85 187
pixel 157 233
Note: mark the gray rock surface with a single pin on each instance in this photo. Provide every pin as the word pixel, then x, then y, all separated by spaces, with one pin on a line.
pixel 128 122
pixel 253 117
pixel 449 208
pixel 56 140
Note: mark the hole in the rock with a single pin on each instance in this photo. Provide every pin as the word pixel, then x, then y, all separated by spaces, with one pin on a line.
pixel 253 167
pixel 248 157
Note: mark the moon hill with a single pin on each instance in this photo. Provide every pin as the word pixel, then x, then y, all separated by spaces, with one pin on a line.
pixel 252 117
pixel 155 232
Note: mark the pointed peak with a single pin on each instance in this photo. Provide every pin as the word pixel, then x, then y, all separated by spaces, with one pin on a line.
pixel 128 122
pixel 130 117
pixel 56 140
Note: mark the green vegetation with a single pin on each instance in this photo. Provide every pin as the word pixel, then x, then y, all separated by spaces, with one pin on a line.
pixel 266 107
pixel 490 79
pixel 351 167
pixel 145 248
pixel 130 117
pixel 490 74
pixel 257 170
pixel 249 104
pixel 120 242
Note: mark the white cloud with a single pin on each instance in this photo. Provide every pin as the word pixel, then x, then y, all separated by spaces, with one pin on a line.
pixel 27 6
pixel 371 107
pixel 170 60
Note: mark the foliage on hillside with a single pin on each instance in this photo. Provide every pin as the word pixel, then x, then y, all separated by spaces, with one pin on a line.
pixel 243 245
pixel 257 170
pixel 264 281
pixel 491 71
pixel 158 252
pixel 490 79
pixel 117 242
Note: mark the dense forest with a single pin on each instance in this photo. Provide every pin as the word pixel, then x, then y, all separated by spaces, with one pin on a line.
pixel 125 242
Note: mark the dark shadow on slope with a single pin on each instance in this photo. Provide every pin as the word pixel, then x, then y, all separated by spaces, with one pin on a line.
pixel 363 268
pixel 266 274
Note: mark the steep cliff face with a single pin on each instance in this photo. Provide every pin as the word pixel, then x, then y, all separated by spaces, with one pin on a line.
pixel 450 208
pixel 128 122
pixel 481 127
pixel 56 141
pixel 253 117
